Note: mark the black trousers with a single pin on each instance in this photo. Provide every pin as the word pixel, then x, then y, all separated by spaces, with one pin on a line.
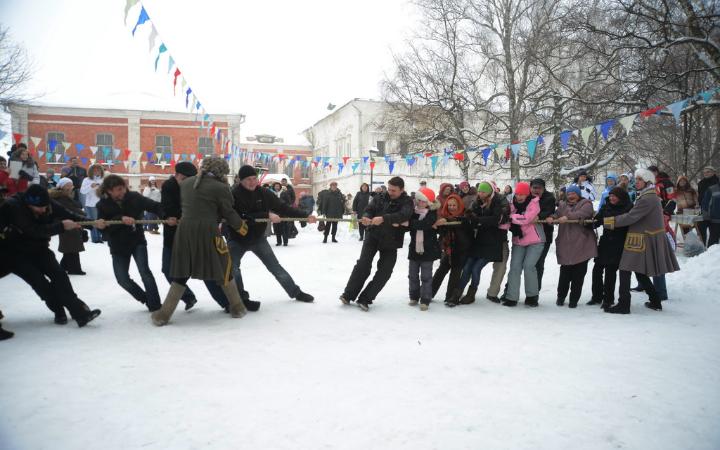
pixel 363 267
pixel 540 265
pixel 45 276
pixel 572 279
pixel 604 291
pixel 71 263
pixel 714 234
pixel 282 233
pixel 361 227
pixel 329 225
pixel 440 273
pixel 624 290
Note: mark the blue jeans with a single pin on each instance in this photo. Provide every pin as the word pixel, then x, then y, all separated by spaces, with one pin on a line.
pixel 660 287
pixel 92 214
pixel 524 259
pixel 216 291
pixel 121 267
pixel 151 226
pixel 473 266
pixel 264 252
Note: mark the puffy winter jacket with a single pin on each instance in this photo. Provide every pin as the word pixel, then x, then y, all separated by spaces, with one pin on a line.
pixel 487 222
pixel 532 233
pixel 431 246
pixel 612 241
pixel 711 204
pixel 393 211
pixel 606 192
pixel 124 239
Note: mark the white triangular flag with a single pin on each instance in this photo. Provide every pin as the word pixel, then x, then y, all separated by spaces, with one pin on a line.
pixel 92 161
pixel 627 122
pixel 40 154
pixel 163 164
pixel 93 149
pixel 151 39
pixel 144 164
pixel 158 156
pixel 116 153
pixel 549 139
pixel 66 145
pixel 57 157
pixel 35 140
pixel 586 132
pixel 176 156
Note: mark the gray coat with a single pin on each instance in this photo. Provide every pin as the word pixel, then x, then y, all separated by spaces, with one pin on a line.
pixel 575 242
pixel 69 241
pixel 199 250
pixel 646 249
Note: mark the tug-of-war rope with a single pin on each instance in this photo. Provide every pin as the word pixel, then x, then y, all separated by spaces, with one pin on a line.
pixel 319 219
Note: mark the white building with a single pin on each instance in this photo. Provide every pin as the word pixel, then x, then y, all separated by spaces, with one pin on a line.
pixel 352 130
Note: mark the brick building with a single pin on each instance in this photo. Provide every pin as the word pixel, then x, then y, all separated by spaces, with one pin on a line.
pixel 114 137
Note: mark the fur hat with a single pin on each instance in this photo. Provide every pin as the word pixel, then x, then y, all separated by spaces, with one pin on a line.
pixel 645 175
pixel 425 194
pixel 246 171
pixel 186 168
pixel 215 165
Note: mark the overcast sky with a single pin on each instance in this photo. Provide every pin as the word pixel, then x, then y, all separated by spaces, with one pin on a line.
pixel 278 62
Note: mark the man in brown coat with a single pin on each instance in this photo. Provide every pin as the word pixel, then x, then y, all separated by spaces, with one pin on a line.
pixel 647 251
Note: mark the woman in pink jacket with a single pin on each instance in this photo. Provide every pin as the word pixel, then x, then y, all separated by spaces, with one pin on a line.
pixel 528 239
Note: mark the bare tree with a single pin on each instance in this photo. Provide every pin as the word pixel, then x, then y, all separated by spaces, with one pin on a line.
pixel 15 70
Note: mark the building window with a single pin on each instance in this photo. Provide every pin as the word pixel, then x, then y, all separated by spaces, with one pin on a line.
pixel 57 139
pixel 380 145
pixel 305 170
pixel 290 168
pixel 163 145
pixel 104 143
pixel 206 145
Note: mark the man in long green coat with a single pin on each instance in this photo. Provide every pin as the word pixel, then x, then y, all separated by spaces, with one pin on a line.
pixel 199 250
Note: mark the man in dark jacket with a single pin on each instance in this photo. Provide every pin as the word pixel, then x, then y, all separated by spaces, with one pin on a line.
pixel 27 222
pixel 255 202
pixel 171 205
pixel 547 209
pixel 128 240
pixel 333 206
pixel 77 174
pixel 710 178
pixel 384 215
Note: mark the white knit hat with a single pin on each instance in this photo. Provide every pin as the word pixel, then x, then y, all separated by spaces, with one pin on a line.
pixel 63 182
pixel 646 175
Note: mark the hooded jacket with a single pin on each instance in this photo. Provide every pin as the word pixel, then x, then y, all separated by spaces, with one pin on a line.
pixel 606 192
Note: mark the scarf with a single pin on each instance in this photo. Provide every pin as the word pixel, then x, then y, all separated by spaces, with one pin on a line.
pixel 520 208
pixel 420 234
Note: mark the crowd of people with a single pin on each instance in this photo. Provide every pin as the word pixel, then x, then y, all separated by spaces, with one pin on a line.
pixel 465 227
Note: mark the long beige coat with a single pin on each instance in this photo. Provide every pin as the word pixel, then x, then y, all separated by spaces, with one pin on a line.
pixel 646 249
pixel 199 250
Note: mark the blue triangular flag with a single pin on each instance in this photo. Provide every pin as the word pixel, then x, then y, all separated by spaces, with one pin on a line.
pixel 707 95
pixel 391 166
pixel 605 128
pixel 515 150
pixel 52 143
pixel 677 108
pixel 565 138
pixel 84 161
pixel 161 50
pixel 79 147
pixel 531 145
pixel 365 159
pixel 141 20
pixel 187 97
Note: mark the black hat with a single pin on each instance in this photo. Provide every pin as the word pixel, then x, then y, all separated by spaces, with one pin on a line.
pixel 537 182
pixel 186 168
pixel 582 172
pixel 653 169
pixel 247 171
pixel 36 195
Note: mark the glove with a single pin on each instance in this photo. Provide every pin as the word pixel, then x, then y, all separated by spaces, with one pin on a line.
pixel 85 236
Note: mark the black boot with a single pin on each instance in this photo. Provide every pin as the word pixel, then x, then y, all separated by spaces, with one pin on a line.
pixel 250 305
pixel 655 305
pixel 454 298
pixel 493 299
pixel 189 303
pixel 303 297
pixel 532 301
pixel 510 303
pixel 594 301
pixel 469 297
pixel 88 317
pixel 573 304
pixel 61 318
pixel 325 239
pixel 560 301
pixel 334 240
pixel 5 334
pixel 619 309
pixel 637 288
pixel 606 305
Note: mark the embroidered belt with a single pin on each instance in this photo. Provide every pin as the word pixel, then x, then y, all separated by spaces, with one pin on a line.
pixel 635 242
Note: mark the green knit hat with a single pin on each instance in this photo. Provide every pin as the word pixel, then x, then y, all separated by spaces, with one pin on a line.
pixel 485 187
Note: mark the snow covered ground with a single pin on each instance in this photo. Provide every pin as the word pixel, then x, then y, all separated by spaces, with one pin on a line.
pixel 324 375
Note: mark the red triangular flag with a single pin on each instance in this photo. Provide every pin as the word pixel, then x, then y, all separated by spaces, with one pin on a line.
pixel 507 153
pixel 172 162
pixel 177 74
pixel 372 164
pixel 199 156
pixel 649 112
pixel 18 137
pixel 345 159
pixel 126 152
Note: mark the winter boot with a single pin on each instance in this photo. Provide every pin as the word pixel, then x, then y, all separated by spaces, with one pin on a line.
pixel 656 305
pixel 509 303
pixel 334 240
pixel 594 301
pixel 344 299
pixel 5 334
pixel 638 288
pixel 469 297
pixel 88 317
pixel 619 309
pixel 413 302
pixel 303 297
pixel 235 303
pixel 250 305
pixel 424 306
pixel 61 318
pixel 325 239
pixel 493 299
pixel 606 305
pixel 560 301
pixel 189 303
pixel 162 316
pixel 363 305
pixel 454 298
pixel 573 304
pixel 532 301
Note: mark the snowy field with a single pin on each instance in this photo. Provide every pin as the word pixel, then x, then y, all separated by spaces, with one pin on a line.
pixel 324 375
